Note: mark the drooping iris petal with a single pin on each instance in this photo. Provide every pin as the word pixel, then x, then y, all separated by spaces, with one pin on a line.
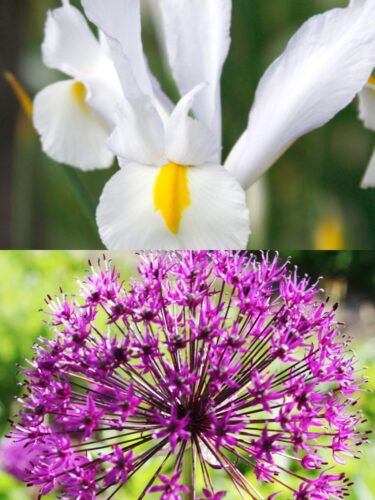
pixel 197 39
pixel 212 214
pixel 126 215
pixel 120 20
pixel 69 44
pixel 324 66
pixel 75 119
pixel 188 141
pixel 139 133
pixel 71 131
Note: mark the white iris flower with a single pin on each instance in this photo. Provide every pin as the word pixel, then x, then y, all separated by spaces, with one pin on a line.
pixel 367 115
pixel 75 117
pixel 173 190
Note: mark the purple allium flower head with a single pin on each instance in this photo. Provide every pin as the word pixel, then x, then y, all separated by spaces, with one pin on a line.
pixel 170 487
pixel 15 458
pixel 211 360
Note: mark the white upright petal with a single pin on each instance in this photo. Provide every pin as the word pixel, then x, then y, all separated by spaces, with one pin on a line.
pixel 217 215
pixel 120 20
pixel 69 45
pixel 188 141
pixel 104 92
pixel 197 34
pixel 139 133
pixel 71 131
pixel 367 106
pixel 324 66
pixel 368 180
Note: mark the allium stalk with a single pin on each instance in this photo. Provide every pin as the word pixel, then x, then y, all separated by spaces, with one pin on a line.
pixel 210 361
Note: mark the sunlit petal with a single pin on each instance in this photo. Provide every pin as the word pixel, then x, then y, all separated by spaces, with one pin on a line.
pixel 324 66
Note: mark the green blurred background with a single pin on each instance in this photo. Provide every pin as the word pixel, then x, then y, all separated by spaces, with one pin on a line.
pixel 27 277
pixel 310 199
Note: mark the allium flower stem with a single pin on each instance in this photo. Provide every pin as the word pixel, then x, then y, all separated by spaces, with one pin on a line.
pixel 187 472
pixel 155 476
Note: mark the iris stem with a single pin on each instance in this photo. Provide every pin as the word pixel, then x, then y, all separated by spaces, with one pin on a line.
pixel 187 473
pixel 83 194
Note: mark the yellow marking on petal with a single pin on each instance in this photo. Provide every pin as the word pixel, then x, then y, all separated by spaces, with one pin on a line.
pixel 21 94
pixel 79 92
pixel 171 194
pixel 371 80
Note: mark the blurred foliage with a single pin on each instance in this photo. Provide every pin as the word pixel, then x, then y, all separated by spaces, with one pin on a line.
pixel 357 268
pixel 27 277
pixel 310 198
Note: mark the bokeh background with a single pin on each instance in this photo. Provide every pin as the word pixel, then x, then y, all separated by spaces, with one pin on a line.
pixel 27 277
pixel 310 198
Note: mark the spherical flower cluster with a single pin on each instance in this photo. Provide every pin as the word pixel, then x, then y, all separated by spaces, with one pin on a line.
pixel 210 361
pixel 15 459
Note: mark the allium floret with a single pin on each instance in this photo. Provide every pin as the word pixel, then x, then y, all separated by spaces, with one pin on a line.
pixel 210 361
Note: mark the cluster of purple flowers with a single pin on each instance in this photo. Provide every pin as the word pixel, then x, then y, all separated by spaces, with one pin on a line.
pixel 211 360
